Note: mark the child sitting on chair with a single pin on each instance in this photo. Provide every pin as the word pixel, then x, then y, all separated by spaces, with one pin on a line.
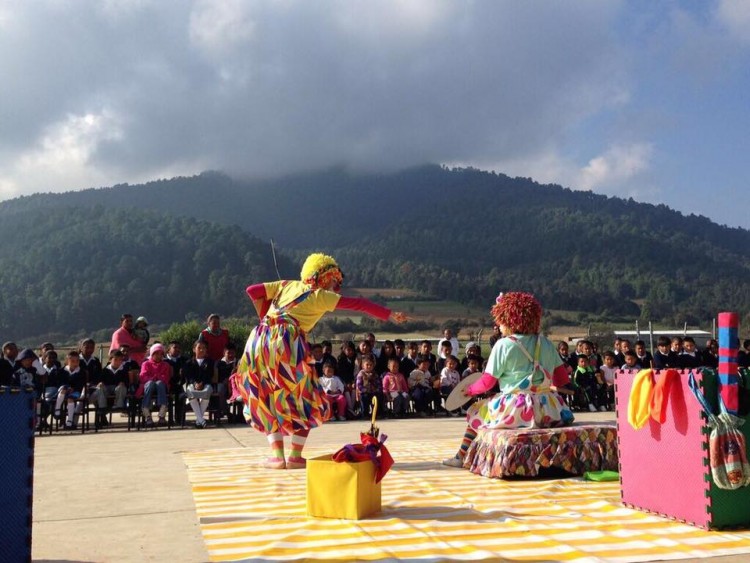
pixel 72 389
pixel 368 385
pixel 117 377
pixel 420 385
pixel 588 388
pixel 334 390
pixel 199 373
pixel 449 378
pixel 395 387
pixel 154 379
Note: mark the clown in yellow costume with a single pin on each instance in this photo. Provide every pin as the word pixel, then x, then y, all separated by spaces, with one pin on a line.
pixel 275 377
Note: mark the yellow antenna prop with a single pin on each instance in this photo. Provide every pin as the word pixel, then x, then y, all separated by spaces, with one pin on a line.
pixel 374 431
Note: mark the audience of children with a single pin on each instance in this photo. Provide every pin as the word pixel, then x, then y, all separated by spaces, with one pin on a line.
pixel 405 376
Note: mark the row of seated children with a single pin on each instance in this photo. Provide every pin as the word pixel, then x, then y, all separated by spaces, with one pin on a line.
pixel 590 382
pixel 676 352
pixel 65 389
pixel 421 391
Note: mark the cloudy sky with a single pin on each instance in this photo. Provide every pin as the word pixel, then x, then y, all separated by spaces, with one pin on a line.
pixel 639 99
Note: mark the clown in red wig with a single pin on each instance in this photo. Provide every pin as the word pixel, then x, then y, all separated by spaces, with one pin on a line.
pixel 521 363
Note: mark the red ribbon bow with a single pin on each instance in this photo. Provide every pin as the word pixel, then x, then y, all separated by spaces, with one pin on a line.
pixel 370 449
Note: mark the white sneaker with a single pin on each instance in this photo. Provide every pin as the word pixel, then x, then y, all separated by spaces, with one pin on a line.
pixel 454 462
pixel 592 408
pixel 603 408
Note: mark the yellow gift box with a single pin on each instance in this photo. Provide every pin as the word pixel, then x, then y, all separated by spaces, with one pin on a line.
pixel 341 490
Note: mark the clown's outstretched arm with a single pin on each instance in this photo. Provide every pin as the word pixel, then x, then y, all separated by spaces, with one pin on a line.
pixel 365 306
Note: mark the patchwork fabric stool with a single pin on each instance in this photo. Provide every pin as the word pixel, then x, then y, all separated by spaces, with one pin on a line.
pixel 524 452
pixel 16 472
pixel 664 467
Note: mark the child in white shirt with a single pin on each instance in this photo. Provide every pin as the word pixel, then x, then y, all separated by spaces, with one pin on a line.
pixel 449 377
pixel 608 370
pixel 334 390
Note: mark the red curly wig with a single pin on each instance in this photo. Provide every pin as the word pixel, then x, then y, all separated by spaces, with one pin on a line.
pixel 518 311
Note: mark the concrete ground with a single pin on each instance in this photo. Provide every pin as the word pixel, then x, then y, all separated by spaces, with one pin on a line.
pixel 125 496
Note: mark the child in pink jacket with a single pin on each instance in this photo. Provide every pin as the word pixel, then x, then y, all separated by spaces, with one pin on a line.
pixel 395 388
pixel 155 376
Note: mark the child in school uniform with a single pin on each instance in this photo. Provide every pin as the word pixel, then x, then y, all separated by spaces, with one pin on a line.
pixel 72 389
pixel 89 362
pixel 24 374
pixel 587 387
pixel 631 361
pixel 334 390
pixel 225 367
pixel 115 374
pixel 396 388
pixel 420 385
pixel 409 361
pixel 199 373
pixel 663 357
pixel 52 379
pixel 133 368
pixel 690 356
pixel 608 370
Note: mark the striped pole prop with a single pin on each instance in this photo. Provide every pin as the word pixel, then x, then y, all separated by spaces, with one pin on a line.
pixel 729 330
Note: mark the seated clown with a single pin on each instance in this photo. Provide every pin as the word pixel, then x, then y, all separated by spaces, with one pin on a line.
pixel 521 363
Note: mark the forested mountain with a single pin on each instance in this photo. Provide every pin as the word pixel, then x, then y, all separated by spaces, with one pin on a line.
pixel 461 234
pixel 77 271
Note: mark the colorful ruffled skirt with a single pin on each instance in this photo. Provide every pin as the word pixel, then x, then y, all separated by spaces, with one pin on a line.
pixel 543 409
pixel 278 386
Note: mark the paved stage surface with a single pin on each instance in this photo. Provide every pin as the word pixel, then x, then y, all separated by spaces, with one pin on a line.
pixel 125 496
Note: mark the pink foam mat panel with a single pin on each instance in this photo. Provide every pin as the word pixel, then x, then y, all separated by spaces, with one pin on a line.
pixel 662 467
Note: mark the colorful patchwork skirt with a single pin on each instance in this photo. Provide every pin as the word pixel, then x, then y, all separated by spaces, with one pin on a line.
pixel 544 409
pixel 279 387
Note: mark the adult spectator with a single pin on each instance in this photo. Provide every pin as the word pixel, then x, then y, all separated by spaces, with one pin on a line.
pixel 124 336
pixel 496 335
pixel 448 335
pixel 215 337
pixel 370 337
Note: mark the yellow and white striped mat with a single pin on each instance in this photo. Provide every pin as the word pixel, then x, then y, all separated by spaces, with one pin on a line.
pixel 431 513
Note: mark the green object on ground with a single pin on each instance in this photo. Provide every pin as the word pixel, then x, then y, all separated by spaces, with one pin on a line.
pixel 601 476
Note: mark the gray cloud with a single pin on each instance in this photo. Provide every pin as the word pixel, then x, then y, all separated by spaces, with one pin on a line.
pixel 102 92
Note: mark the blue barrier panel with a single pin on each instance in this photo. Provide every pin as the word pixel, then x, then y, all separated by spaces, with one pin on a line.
pixel 16 472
